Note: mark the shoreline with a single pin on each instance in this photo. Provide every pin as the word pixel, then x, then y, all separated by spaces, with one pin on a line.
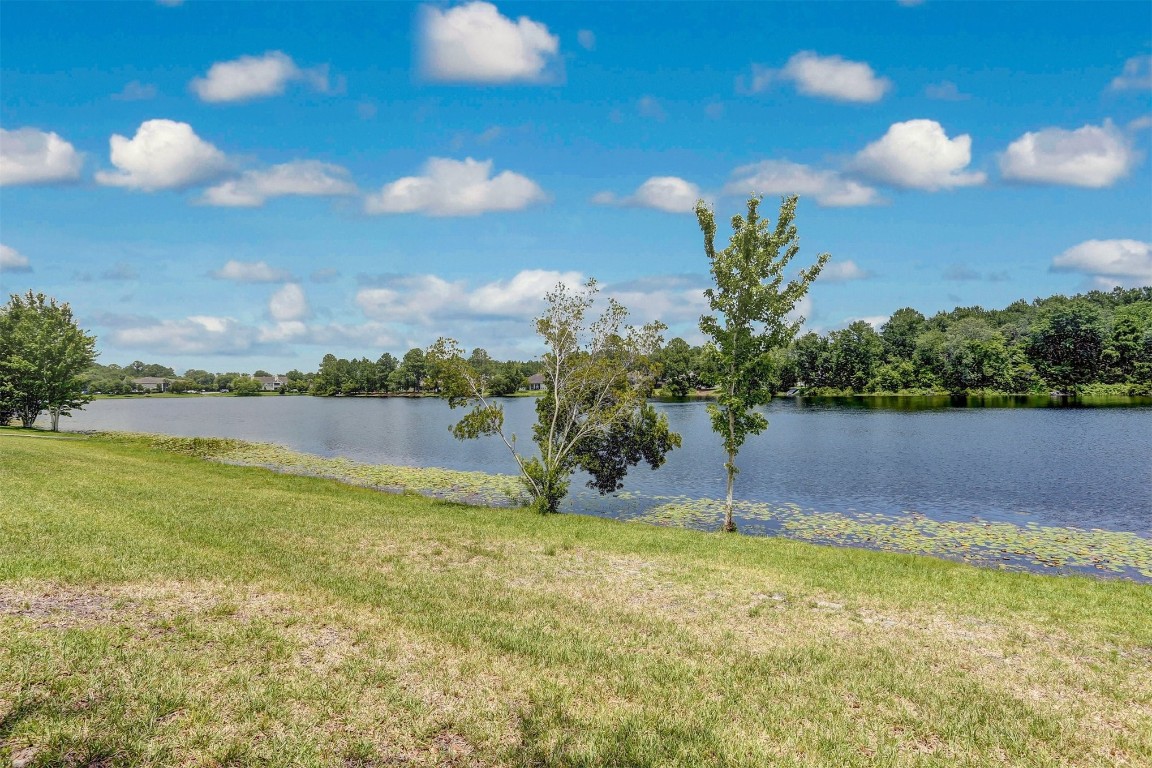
pixel 985 543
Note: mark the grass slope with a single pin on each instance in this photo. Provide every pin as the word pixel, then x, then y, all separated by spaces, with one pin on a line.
pixel 157 609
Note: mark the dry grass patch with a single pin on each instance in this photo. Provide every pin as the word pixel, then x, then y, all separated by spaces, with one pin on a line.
pixel 244 617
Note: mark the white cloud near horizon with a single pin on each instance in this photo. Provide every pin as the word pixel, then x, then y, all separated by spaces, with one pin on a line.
pixel 474 43
pixel 1093 156
pixel 1136 75
pixel 210 335
pixel 11 260
pixel 307 178
pixel 32 156
pixel 843 271
pixel 251 272
pixel 670 194
pixel 918 154
pixel 424 299
pixel 164 154
pixel 1109 262
pixel 780 177
pixel 255 77
pixel 456 188
pixel 829 77
pixel 195 335
pixel 289 303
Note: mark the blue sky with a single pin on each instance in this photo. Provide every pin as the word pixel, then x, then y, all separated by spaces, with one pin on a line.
pixel 234 186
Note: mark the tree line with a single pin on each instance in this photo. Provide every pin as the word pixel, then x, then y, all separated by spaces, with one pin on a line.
pixel 1056 343
pixel 410 373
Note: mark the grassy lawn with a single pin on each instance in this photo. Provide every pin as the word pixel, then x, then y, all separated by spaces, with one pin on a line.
pixel 158 609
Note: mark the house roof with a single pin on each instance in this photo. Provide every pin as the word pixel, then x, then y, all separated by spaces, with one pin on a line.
pixel 536 378
pixel 150 380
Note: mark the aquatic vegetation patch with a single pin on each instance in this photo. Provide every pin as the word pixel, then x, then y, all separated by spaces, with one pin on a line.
pixel 997 544
pixel 448 484
pixel 1001 545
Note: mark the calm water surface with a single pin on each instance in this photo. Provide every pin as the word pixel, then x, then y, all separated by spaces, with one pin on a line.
pixel 1081 466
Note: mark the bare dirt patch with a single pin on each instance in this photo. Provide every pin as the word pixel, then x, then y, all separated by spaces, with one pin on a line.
pixel 53 606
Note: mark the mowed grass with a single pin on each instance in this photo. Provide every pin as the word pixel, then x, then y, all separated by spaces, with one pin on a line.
pixel 157 609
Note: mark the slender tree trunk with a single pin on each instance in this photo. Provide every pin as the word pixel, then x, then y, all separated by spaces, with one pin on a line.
pixel 28 416
pixel 729 524
pixel 55 419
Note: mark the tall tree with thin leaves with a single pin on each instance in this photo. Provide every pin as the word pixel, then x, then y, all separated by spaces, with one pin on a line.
pixel 750 306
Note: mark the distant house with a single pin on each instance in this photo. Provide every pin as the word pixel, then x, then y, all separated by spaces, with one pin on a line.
pixel 151 384
pixel 536 382
pixel 271 383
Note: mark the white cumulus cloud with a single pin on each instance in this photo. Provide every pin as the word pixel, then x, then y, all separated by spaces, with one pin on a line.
pixel 302 177
pixel 251 272
pixel 456 188
pixel 780 177
pixel 289 304
pixel 428 299
pixel 11 260
pixel 918 154
pixel 1092 156
pixel 254 77
pixel 664 193
pixel 474 43
pixel 676 300
pixel 32 156
pixel 164 154
pixel 829 77
pixel 843 271
pixel 522 296
pixel 1136 75
pixel 1110 262
pixel 196 335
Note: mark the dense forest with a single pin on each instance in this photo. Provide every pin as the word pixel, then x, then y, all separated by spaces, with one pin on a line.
pixel 1101 341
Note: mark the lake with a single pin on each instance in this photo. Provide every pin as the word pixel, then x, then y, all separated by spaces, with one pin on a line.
pixel 1019 460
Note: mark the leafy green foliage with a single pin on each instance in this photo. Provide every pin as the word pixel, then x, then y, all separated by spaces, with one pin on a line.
pixel 751 305
pixel 43 353
pixel 593 415
pixel 246 387
pixel 1054 343
pixel 1068 345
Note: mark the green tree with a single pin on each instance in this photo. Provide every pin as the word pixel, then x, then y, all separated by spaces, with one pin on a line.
pixel 751 305
pixel 385 365
pixel 413 369
pixel 224 381
pixel 813 358
pixel 899 334
pixel 594 415
pixel 43 358
pixel 1126 354
pixel 202 379
pixel 246 387
pixel 676 361
pixel 974 357
pixel 506 380
pixel 1066 345
pixel 856 352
